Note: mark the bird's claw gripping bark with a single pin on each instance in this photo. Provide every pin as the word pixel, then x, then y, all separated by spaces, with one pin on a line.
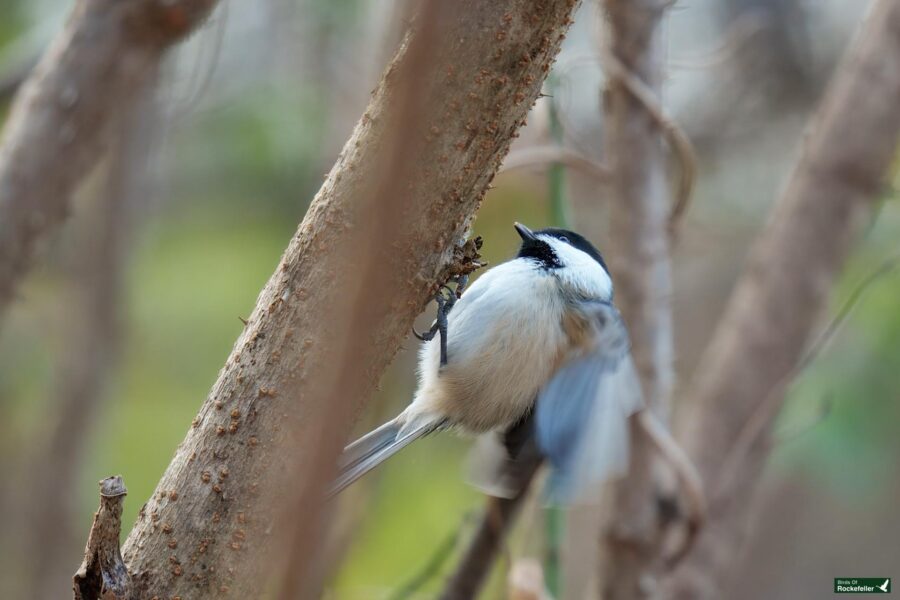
pixel 445 305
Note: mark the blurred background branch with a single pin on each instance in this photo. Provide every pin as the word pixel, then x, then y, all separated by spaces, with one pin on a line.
pixel 95 268
pixel 478 558
pixel 62 120
pixel 830 195
pixel 536 156
pixel 641 267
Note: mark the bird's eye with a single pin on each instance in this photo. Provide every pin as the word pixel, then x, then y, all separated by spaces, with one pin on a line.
pixel 563 238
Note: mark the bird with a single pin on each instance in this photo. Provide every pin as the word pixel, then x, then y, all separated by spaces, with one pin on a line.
pixel 535 362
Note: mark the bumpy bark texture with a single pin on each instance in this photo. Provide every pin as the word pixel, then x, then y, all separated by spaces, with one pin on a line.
pixel 785 286
pixel 62 119
pixel 641 269
pixel 210 518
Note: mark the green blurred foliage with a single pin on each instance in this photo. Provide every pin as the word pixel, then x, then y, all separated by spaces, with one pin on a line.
pixel 189 281
pixel 839 422
pixel 264 146
pixel 11 24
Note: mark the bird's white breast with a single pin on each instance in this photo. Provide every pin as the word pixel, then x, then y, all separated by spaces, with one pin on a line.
pixel 505 339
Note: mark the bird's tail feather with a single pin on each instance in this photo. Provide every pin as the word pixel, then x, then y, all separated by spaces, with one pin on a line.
pixel 374 448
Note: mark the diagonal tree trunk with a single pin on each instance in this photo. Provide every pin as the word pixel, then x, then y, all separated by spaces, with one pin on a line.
pixel 203 531
pixel 792 267
pixel 64 115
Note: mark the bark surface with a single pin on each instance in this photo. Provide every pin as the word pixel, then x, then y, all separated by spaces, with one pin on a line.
pixel 785 286
pixel 210 518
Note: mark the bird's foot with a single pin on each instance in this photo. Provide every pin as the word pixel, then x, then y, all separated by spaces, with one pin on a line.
pixel 445 299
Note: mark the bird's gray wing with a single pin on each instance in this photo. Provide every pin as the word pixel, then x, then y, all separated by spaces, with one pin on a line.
pixel 581 415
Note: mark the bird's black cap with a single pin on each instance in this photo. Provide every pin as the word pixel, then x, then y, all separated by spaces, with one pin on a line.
pixel 534 247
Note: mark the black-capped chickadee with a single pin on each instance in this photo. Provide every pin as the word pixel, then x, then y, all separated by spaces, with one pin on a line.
pixel 535 348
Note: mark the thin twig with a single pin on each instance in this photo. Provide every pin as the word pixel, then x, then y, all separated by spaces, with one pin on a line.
pixel 202 75
pixel 486 544
pixel 676 137
pixel 434 564
pixel 823 412
pixel 546 155
pixel 736 37
pixel 688 477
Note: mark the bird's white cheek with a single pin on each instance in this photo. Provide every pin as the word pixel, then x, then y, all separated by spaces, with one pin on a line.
pixel 589 280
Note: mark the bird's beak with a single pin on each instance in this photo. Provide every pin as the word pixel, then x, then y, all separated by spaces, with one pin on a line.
pixel 525 233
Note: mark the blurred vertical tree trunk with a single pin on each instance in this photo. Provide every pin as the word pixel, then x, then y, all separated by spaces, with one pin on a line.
pixel 785 285
pixel 94 272
pixel 363 263
pixel 641 269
